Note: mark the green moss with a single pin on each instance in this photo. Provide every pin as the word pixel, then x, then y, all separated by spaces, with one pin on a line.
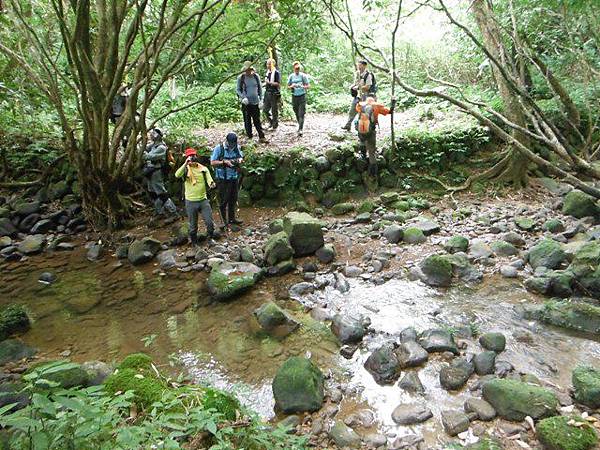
pixel 342 208
pixel 67 378
pixel 586 381
pixel 566 433
pixel 366 207
pixel 222 402
pixel 147 389
pixel 485 444
pixel 456 244
pixel 13 319
pixel 438 270
pixel 413 235
pixel 298 386
pixel 525 223
pixel 579 204
pixel 579 316
pixel 514 400
pixel 136 361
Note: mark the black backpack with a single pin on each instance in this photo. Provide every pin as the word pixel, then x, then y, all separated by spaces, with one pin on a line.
pixel 373 88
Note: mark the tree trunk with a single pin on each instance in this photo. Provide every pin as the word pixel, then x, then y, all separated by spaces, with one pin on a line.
pixel 516 171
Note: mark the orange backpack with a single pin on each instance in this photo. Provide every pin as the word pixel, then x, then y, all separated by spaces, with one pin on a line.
pixel 366 121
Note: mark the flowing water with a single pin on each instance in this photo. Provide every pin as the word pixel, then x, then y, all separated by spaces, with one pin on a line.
pixel 105 310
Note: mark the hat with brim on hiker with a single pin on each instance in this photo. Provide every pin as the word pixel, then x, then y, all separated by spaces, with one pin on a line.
pixel 247 66
pixel 190 152
pixel 231 139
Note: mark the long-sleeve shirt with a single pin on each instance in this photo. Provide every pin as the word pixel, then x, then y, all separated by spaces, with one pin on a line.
pixel 378 108
pixel 195 187
pixel 155 154
pixel 250 88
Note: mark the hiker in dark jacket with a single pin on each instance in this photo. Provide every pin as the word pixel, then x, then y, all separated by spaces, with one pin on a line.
pixel 249 92
pixel 226 159
pixel 197 182
pixel 272 94
pixel 155 163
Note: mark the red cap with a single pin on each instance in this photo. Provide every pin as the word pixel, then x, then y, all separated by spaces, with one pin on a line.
pixel 190 152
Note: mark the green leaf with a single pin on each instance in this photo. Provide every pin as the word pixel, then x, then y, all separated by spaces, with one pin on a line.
pixel 7 408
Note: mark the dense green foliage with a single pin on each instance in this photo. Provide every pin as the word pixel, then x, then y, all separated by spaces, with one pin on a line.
pixel 95 417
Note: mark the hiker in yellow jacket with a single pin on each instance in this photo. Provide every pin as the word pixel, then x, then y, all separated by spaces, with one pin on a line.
pixel 197 182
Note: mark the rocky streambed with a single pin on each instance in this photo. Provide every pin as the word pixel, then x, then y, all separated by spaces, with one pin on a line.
pixel 410 311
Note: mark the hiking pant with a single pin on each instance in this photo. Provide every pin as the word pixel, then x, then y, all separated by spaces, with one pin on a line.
pixel 228 192
pixel 271 108
pixel 158 193
pixel 299 105
pixel 192 208
pixel 352 111
pixel 251 114
pixel 368 146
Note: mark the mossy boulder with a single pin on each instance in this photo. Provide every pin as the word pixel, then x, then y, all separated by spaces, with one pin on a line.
pixel 547 253
pixel 413 235
pixel 230 279
pixel 275 226
pixel 222 402
pixel 66 374
pixel 298 386
pixel 13 319
pixel 342 208
pixel 566 433
pixel 437 270
pixel 586 383
pixel 485 444
pixel 525 223
pixel 495 342
pixel 274 320
pixel 14 350
pixel 277 248
pixel 147 388
pixel 366 207
pixel 136 361
pixel 503 248
pixel 579 204
pixel 400 205
pixel 515 400
pixel 143 250
pixel 304 232
pixel 585 267
pixel 456 244
pixel 578 316
pixel 387 198
pixel 554 226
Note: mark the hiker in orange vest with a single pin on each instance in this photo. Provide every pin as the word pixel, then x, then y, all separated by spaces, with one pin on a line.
pixel 366 125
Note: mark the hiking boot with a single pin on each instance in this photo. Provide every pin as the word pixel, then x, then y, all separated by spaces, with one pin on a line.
pixel 263 140
pixel 215 235
pixel 193 240
pixel 236 222
pixel 299 132
pixel 346 127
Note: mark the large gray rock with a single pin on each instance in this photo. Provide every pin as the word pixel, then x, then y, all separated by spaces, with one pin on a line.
pixel 25 209
pixel 277 248
pixel 326 254
pixel 298 386
pixel 411 354
pixel 438 340
pixel 586 383
pixel 31 245
pixel 493 341
pixel 349 330
pixel 7 228
pixel 437 270
pixel 483 409
pixel 514 400
pixel 229 279
pixel 411 414
pixel 42 226
pixel 411 383
pixel 579 204
pixel 547 253
pixel 166 259
pixel 344 436
pixel 383 364
pixel 305 233
pixel 455 422
pixel 143 250
pixel 275 321
pixel 14 350
pixel 393 233
pixel 456 375
pixel 485 363
pixel 428 227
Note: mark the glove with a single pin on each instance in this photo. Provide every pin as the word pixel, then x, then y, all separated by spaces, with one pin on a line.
pixel 245 101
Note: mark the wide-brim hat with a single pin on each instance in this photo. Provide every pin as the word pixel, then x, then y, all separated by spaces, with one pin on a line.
pixel 247 65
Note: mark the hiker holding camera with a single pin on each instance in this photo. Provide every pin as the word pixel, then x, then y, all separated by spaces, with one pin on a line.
pixel 364 86
pixel 226 160
pixel 155 167
pixel 197 183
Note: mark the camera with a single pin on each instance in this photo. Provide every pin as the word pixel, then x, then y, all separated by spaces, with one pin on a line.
pixel 194 159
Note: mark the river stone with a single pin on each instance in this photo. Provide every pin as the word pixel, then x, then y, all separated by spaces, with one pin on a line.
pixel 14 350
pixel 97 372
pixel 383 365
pixel 463 269
pixel 95 251
pixel 573 315
pixel 7 228
pixel 525 223
pixel 230 279
pixel 483 409
pixel 495 342
pixel 277 248
pixel 375 440
pixel 348 330
pixel 428 227
pixel 479 249
pixel 411 383
pixel 31 245
pixel 275 226
pixel 344 436
pixel 413 235
pixel 553 226
pixel 340 209
pixel 393 233
pixel 66 375
pixel 508 271
pixel 299 289
pixel 408 334
pixel 438 340
pixel 547 253
pixel 485 363
pixel 80 304
pixel 5 241
pixel 566 433
pixel 579 204
pixel 502 248
pixel 455 375
pixel 387 198
pixel 47 278
pixel 437 270
pixel 304 231
pixel 362 218
pixel 298 386
pixel 456 244
pixel 13 392
pixel 514 400
pixel 13 319
pixel 411 414
pixel 586 383
pixel 514 238
pixel 326 254
pixel 411 354
pixel 42 226
pixel 143 250
pixel 25 209
pixel 455 422
pixel 166 259
pixel 275 321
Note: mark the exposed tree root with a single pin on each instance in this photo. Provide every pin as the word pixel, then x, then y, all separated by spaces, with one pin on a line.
pixel 38 182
